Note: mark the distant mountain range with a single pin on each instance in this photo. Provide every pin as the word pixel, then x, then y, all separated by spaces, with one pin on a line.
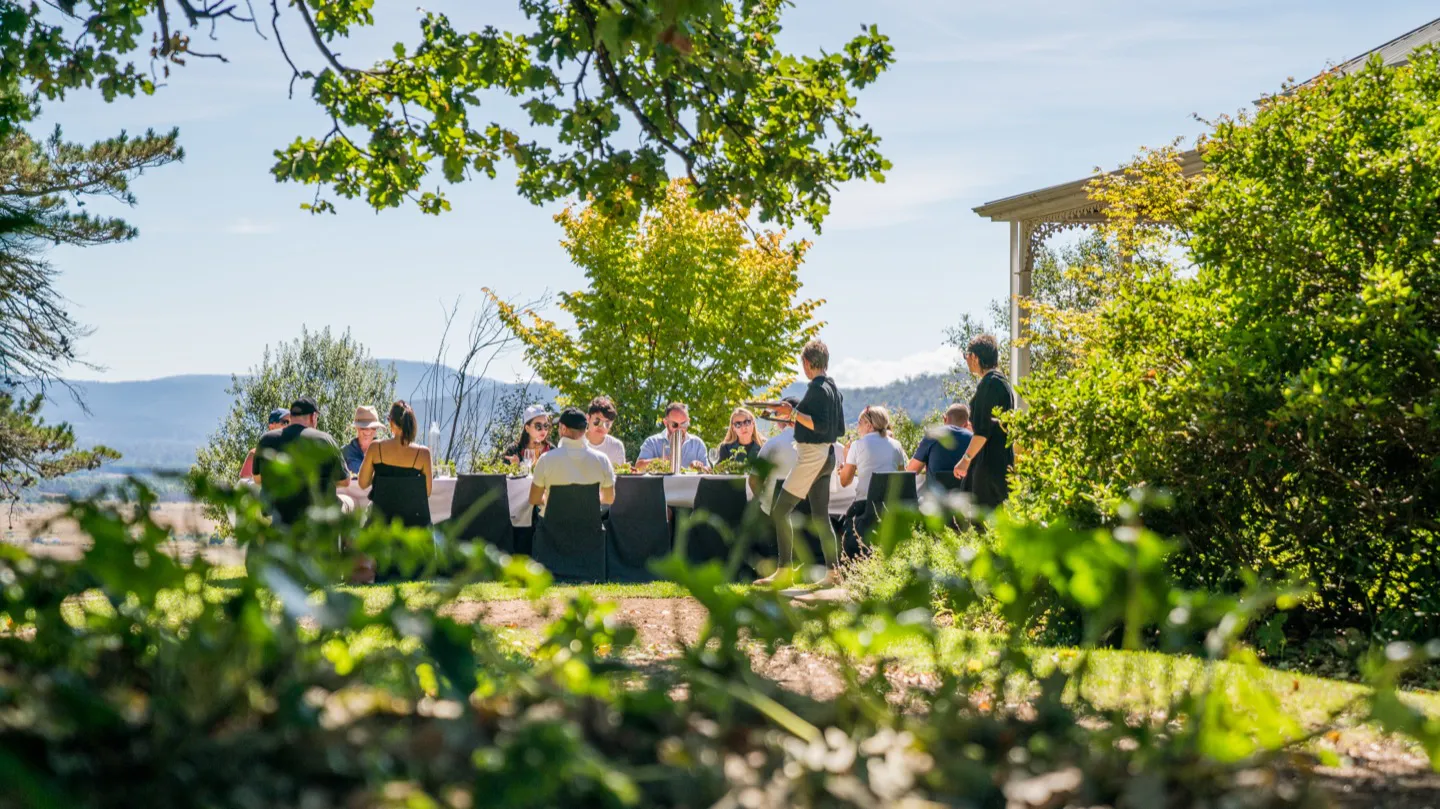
pixel 160 423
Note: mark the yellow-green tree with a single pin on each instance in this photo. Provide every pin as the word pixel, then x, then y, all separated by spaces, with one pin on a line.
pixel 682 304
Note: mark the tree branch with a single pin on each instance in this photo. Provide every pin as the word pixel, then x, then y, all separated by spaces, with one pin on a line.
pixel 611 77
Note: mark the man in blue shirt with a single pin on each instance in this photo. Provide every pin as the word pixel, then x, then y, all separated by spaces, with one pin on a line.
pixel 657 446
pixel 940 451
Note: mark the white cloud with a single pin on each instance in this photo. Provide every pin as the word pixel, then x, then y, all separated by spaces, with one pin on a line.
pixel 245 226
pixel 854 372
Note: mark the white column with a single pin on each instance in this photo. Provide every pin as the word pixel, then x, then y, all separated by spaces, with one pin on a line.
pixel 1019 288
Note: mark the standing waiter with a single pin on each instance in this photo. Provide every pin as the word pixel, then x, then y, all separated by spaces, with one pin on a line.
pixel 819 420
pixel 988 459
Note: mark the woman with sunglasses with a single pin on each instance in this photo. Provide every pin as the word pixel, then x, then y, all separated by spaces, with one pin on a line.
pixel 742 441
pixel 534 436
pixel 601 417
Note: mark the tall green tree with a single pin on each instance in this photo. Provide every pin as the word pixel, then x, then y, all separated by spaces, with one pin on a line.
pixel 618 95
pixel 41 182
pixel 336 370
pixel 1284 387
pixel 683 304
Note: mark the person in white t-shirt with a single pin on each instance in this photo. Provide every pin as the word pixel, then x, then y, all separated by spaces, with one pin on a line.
pixel 572 462
pixel 601 417
pixel 875 451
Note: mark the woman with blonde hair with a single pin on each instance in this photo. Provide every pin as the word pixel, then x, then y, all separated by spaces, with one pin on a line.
pixel 742 440
pixel 875 451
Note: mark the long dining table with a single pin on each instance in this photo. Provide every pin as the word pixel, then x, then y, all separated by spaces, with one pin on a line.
pixel 679 493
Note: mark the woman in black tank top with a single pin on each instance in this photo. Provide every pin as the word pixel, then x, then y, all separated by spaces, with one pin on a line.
pixel 397 456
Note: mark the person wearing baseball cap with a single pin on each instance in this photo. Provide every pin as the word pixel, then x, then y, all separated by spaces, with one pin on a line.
pixel 317 457
pixel 366 423
pixel 278 418
pixel 572 463
pixel 534 436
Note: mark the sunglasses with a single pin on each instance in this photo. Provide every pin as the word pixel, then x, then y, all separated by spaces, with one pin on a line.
pixel 539 425
pixel 742 423
pixel 601 423
pixel 677 425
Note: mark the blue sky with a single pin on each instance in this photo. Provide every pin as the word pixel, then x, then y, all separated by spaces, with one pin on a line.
pixel 985 100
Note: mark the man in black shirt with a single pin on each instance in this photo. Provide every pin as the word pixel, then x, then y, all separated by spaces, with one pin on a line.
pixel 318 467
pixel 819 420
pixel 988 459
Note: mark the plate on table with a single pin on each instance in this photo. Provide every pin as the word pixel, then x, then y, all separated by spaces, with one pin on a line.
pixel 765 405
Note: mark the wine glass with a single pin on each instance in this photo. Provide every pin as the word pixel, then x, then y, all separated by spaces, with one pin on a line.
pixel 527 462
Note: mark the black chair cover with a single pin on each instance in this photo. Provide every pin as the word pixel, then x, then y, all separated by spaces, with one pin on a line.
pixel 570 539
pixel 636 532
pixel 404 499
pixel 489 496
pixel 724 499
pixel 885 488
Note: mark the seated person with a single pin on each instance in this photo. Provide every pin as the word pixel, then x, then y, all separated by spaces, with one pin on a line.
pixel 743 440
pixel 572 463
pixel 278 418
pixel 875 451
pixel 601 415
pixel 534 436
pixel 318 456
pixel 657 446
pixel 940 451
pixel 367 423
pixel 398 456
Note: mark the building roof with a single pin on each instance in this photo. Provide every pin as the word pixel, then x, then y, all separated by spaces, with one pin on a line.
pixel 1397 51
pixel 1067 202
pixel 1070 202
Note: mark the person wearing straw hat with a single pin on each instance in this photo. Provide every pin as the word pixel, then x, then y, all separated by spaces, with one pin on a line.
pixel 367 424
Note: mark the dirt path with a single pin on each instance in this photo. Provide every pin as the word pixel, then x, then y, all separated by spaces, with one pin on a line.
pixel 1381 775
pixel 36 528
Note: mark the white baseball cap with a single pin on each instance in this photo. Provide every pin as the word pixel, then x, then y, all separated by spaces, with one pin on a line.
pixel 532 412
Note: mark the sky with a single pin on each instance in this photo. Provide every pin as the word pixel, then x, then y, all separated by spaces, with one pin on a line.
pixel 985 100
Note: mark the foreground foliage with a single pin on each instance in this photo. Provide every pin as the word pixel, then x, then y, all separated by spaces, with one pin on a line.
pixel 1283 389
pixel 293 695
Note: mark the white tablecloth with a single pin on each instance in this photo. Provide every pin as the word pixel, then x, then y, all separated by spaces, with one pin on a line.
pixel 521 512
pixel 680 491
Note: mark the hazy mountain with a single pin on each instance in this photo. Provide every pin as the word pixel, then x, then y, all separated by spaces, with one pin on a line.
pixel 918 396
pixel 160 423
pixel 155 423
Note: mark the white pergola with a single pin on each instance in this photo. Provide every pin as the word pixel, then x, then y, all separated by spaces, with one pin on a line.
pixel 1034 216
